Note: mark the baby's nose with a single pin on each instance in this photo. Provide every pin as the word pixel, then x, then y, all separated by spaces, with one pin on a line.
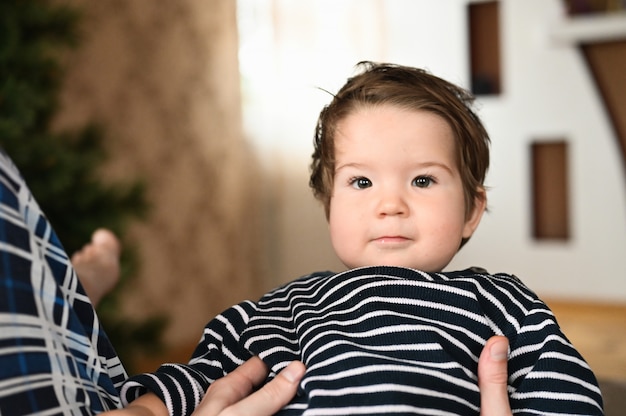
pixel 392 203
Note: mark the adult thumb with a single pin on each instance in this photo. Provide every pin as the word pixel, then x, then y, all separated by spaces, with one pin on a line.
pixel 493 376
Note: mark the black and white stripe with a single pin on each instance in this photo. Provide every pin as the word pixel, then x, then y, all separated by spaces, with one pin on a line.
pixel 387 340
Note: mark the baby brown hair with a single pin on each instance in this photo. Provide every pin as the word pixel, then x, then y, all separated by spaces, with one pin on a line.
pixel 412 89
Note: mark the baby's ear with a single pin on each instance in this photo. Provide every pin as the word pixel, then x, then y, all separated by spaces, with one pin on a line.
pixel 474 217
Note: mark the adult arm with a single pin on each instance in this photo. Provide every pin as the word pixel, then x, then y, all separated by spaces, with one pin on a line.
pixel 50 331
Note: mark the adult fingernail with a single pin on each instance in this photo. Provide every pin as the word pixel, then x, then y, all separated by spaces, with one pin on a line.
pixel 293 372
pixel 499 350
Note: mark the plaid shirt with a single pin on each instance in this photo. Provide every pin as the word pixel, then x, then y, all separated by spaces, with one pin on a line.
pixel 54 356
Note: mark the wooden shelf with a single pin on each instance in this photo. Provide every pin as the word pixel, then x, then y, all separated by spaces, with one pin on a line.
pixel 591 28
pixel 598 331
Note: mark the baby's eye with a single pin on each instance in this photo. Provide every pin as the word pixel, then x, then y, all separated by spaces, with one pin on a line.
pixel 423 181
pixel 360 182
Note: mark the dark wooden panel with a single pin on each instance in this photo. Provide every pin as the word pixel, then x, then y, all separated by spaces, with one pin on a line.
pixel 550 190
pixel 484 43
pixel 607 61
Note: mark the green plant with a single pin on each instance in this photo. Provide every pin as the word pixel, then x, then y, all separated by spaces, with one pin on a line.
pixel 62 168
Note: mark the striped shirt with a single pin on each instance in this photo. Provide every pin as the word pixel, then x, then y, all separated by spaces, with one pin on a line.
pixel 388 340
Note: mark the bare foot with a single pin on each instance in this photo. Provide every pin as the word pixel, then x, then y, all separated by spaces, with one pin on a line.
pixel 97 264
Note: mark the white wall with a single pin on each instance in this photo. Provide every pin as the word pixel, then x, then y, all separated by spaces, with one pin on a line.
pixel 289 48
pixel 549 93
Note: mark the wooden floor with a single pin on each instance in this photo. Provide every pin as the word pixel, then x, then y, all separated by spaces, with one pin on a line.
pixel 598 331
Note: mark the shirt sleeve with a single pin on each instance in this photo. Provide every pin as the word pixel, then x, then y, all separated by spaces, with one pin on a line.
pixel 546 373
pixel 55 358
pixel 181 387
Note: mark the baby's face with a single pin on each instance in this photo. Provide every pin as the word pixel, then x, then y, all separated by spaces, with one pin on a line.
pixel 397 195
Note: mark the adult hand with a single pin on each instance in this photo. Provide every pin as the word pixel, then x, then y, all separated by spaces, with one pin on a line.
pixel 227 396
pixel 232 395
pixel 492 378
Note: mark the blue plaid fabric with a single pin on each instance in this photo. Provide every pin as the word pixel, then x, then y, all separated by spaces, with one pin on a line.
pixel 54 356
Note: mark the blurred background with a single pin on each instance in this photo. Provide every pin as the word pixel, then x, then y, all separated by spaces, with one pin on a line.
pixel 205 112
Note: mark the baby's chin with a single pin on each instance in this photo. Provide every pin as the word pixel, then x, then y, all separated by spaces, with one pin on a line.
pixel 403 264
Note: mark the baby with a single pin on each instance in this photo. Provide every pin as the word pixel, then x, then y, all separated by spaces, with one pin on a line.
pixel 399 164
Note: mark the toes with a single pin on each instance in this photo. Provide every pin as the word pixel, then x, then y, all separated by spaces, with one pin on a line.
pixel 105 238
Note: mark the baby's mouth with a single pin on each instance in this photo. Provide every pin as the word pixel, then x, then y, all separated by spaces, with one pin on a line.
pixel 392 240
